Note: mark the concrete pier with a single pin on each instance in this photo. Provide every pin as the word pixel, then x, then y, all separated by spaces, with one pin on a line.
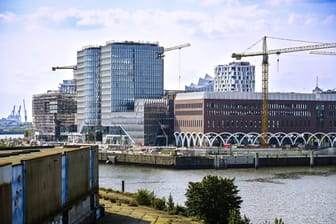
pixel 255 160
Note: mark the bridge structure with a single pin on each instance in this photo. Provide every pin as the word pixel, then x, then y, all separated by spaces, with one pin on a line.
pixel 212 139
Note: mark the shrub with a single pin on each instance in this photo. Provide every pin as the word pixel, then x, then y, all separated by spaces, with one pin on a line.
pixel 144 197
pixel 159 203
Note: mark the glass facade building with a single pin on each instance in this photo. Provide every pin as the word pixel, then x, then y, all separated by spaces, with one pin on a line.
pixel 87 77
pixel 110 78
pixel 136 72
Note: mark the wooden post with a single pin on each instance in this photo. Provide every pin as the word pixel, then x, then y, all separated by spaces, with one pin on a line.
pixel 122 186
pixel 311 163
pixel 256 160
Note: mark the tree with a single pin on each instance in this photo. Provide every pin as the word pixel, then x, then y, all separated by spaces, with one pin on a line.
pixel 236 218
pixel 213 199
pixel 170 204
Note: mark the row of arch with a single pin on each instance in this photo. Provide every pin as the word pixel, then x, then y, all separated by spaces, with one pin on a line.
pixel 210 139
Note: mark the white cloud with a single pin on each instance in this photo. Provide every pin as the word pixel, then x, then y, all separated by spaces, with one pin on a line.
pixel 7 17
pixel 293 18
pixel 330 20
pixel 51 36
pixel 281 2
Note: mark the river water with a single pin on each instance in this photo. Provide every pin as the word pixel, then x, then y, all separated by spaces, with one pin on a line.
pixel 297 195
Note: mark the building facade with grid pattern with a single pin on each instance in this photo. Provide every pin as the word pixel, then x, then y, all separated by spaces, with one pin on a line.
pixel 235 77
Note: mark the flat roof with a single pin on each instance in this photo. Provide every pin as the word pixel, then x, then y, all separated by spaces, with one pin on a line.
pixel 17 155
pixel 255 96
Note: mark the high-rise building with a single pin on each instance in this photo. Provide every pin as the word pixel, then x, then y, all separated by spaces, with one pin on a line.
pixel 87 78
pixel 235 77
pixel 110 78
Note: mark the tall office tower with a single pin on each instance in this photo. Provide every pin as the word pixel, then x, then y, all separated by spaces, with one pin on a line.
pixel 235 77
pixel 110 78
pixel 87 78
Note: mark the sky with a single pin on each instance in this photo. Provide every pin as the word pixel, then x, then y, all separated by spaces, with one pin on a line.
pixel 38 34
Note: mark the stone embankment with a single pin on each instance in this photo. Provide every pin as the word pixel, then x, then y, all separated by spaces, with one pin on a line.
pixel 238 159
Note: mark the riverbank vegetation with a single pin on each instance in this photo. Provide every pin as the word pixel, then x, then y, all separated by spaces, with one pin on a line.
pixel 214 200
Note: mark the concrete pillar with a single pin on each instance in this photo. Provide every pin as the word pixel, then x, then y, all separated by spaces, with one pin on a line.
pixel 256 160
pixel 311 163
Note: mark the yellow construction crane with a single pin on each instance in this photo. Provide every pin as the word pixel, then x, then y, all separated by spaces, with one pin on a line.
pixel 264 53
pixel 178 47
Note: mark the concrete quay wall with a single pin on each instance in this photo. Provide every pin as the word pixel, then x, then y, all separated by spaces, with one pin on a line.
pixel 207 162
pixel 182 162
pixel 297 161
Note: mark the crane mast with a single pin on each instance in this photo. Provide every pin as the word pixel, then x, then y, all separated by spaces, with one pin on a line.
pixel 264 110
pixel 265 73
pixel 178 47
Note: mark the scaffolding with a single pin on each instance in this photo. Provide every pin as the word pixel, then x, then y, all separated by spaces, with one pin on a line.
pixel 53 115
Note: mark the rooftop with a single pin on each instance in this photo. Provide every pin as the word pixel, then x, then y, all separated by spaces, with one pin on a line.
pixel 256 96
pixel 16 155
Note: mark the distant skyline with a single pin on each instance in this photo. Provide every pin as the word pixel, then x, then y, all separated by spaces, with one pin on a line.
pixel 39 34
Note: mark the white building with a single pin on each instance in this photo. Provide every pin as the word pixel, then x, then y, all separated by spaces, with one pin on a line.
pixel 235 77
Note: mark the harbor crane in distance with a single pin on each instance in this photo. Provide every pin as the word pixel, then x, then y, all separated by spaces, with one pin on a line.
pixel 25 111
pixel 265 73
pixel 178 47
pixel 73 67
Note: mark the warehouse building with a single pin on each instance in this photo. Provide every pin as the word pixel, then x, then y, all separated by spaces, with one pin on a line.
pixel 222 117
pixel 53 185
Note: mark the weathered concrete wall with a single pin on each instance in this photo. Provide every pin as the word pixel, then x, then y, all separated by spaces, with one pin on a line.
pixel 43 188
pixel 155 160
pixel 78 173
pixel 297 161
pixel 5 200
pixel 195 162
pixel 5 193
pixel 202 162
pixel 324 160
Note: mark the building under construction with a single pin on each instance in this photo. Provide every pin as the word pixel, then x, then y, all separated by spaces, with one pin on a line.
pixel 53 115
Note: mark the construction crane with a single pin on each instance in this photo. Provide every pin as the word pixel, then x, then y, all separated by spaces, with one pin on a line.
pixel 264 53
pixel 25 111
pixel 323 52
pixel 73 67
pixel 178 47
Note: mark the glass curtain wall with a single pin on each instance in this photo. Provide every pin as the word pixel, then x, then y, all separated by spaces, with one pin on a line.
pixel 136 72
pixel 92 116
